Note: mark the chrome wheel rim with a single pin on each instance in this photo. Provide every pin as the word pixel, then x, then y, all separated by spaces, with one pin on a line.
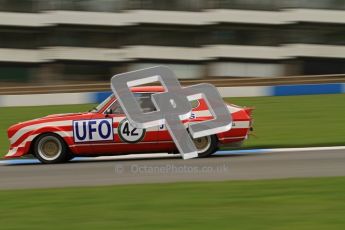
pixel 49 148
pixel 202 144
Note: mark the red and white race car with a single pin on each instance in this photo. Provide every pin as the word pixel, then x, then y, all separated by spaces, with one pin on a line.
pixel 105 131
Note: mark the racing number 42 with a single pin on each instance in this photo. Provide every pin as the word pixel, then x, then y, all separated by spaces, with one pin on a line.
pixel 128 132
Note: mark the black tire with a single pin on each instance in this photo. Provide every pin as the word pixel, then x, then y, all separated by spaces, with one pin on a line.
pixel 50 148
pixel 210 148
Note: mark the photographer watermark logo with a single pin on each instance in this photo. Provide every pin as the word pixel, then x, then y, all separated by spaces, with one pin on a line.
pixel 172 106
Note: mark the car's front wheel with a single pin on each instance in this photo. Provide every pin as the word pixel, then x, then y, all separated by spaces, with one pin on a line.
pixel 206 146
pixel 50 148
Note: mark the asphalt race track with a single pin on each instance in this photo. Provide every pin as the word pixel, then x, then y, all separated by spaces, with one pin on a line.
pixel 257 164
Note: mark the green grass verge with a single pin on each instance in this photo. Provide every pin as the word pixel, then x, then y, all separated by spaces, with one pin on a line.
pixel 296 121
pixel 270 204
pixel 315 120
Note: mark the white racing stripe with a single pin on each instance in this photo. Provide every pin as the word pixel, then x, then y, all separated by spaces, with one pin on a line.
pixel 29 128
pixel 207 113
pixel 202 113
pixel 30 138
pixel 13 151
pixel 240 124
pixel 234 109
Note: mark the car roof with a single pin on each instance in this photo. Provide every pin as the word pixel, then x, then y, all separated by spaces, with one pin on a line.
pixel 148 89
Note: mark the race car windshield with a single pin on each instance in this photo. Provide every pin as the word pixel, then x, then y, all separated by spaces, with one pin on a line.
pixel 101 105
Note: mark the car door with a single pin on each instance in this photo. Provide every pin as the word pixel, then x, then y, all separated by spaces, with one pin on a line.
pixel 164 137
pixel 127 138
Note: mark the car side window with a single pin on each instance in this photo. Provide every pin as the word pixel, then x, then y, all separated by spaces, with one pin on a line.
pixel 115 108
pixel 144 101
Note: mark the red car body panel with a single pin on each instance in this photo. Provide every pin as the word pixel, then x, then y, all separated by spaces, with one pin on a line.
pixel 155 139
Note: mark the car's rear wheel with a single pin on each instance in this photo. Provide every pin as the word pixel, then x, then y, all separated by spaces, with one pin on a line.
pixel 50 148
pixel 206 145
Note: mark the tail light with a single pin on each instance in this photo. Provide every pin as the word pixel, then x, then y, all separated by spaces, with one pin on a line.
pixel 249 111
